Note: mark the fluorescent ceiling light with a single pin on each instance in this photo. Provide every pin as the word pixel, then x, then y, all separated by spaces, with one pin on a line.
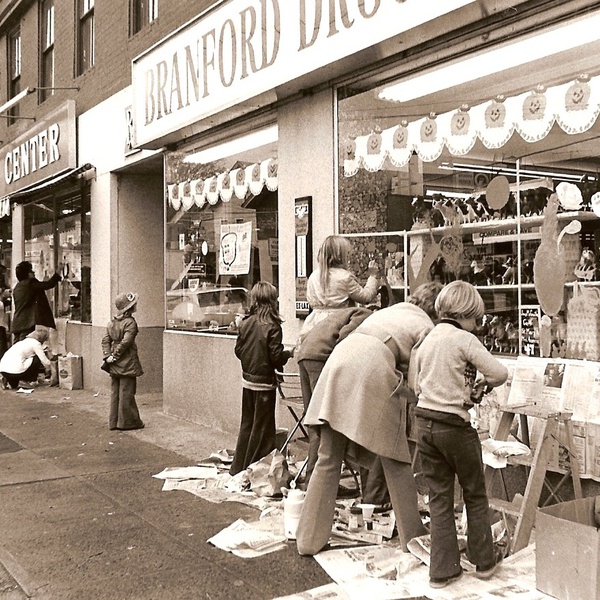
pixel 242 144
pixel 503 58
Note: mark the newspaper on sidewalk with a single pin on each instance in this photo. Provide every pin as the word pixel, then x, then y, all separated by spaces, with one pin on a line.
pixel 385 573
pixel 248 540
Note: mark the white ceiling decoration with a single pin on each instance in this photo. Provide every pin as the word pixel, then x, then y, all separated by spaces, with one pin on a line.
pixel 574 106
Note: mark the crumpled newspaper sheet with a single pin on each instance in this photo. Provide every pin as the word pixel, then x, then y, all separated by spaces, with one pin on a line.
pixel 249 540
pixel 495 453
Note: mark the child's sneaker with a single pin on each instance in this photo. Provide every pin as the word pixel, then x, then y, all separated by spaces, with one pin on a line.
pixel 442 582
pixel 486 571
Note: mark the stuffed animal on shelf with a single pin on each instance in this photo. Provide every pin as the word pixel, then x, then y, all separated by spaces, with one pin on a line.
pixel 479 275
pixel 586 268
pixel 527 271
pixel 447 211
pixel 498 334
pixel 510 274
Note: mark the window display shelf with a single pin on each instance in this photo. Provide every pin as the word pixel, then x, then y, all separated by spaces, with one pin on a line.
pixel 503 224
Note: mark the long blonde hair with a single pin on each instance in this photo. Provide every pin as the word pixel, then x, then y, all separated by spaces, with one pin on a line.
pixel 333 253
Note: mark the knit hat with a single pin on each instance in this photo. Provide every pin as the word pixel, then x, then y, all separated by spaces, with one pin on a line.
pixel 124 302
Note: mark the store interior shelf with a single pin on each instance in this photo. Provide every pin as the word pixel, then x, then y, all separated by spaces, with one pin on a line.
pixel 505 224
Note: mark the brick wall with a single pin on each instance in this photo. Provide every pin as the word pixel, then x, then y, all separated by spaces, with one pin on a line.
pixel 114 52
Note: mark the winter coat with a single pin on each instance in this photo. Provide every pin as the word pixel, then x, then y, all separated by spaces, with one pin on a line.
pixel 119 340
pixel 31 304
pixel 320 341
pixel 260 349
pixel 361 392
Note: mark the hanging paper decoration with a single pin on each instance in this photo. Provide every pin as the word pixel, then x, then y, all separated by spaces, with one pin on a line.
pixel 431 145
pixel 595 203
pixel 350 160
pixel 198 192
pixel 225 186
pixel 497 192
pixel 537 118
pixel 462 135
pixel 374 157
pixel 574 106
pixel 581 106
pixel 271 174
pixel 240 185
pixel 187 200
pixel 396 145
pixel 257 183
pixel 498 126
pixel 212 193
pixel 174 199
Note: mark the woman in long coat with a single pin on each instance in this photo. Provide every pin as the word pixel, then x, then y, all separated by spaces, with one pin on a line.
pixel 360 405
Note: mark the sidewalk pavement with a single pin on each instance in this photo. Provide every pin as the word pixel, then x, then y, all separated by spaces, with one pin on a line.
pixel 82 517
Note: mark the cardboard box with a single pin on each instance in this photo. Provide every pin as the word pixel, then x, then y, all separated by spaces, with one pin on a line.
pixel 568 550
pixel 70 372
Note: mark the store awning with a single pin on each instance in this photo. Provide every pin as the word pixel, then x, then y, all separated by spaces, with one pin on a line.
pixel 70 174
pixel 573 106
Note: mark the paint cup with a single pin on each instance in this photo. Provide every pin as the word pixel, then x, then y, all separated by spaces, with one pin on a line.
pixel 292 507
pixel 367 511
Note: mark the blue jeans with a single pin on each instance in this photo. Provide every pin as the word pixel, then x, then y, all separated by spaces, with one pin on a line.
pixel 446 451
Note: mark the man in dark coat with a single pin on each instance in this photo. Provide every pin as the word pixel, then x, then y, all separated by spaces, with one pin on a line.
pixel 30 302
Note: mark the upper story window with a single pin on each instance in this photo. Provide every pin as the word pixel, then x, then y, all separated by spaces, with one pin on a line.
pixel 86 36
pixel 47 50
pixel 14 62
pixel 142 12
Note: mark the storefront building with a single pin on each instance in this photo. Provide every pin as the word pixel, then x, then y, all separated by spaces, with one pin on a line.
pixel 283 124
pixel 260 127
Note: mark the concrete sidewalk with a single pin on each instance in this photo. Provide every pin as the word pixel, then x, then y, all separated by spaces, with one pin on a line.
pixel 82 517
pixel 165 431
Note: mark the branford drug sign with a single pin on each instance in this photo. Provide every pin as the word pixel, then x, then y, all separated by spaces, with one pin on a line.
pixel 243 48
pixel 43 151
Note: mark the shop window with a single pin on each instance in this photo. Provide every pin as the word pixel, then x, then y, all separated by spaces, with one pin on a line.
pixel 478 182
pixel 221 236
pixel 141 13
pixel 57 238
pixel 14 75
pixel 86 36
pixel 47 50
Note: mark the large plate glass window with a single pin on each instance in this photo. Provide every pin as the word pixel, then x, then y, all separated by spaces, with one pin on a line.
pixel 57 238
pixel 491 176
pixel 221 230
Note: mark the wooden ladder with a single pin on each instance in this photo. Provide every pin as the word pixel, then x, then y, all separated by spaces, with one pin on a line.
pixel 538 464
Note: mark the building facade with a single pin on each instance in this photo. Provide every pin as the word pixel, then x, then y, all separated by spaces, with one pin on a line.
pixel 215 146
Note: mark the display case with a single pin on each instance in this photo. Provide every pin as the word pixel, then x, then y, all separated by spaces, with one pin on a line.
pixel 499 253
pixel 495 182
